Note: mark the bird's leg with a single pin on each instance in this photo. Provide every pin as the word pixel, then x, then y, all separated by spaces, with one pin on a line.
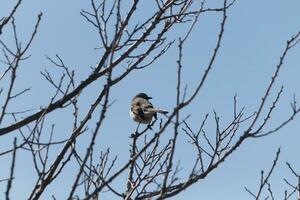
pixel 149 126
pixel 136 134
pixel 137 128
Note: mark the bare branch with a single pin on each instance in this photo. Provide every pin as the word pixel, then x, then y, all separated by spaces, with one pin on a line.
pixel 12 169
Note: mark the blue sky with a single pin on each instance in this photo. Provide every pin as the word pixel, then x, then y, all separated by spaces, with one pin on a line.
pixel 255 36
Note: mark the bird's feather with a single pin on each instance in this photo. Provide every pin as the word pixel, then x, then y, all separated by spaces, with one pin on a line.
pixel 142 110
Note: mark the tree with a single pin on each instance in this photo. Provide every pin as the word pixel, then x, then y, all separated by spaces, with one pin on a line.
pixel 128 41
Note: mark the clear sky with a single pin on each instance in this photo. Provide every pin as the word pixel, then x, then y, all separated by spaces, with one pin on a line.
pixel 255 37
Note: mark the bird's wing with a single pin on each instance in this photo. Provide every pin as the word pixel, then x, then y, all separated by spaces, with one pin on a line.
pixel 138 111
pixel 148 108
pixel 139 107
pixel 143 108
pixel 146 105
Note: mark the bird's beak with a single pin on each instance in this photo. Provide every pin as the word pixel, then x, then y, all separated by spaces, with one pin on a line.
pixel 149 97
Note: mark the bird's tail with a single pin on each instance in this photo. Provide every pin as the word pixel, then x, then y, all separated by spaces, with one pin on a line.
pixel 157 110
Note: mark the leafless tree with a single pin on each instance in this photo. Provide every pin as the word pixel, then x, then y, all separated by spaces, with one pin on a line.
pixel 265 185
pixel 127 45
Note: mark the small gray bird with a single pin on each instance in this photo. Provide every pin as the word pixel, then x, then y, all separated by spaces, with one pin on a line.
pixel 142 111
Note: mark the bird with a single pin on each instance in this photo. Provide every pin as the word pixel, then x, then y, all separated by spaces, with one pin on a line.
pixel 141 109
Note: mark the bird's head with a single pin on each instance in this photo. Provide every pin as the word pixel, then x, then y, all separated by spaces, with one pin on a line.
pixel 144 96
